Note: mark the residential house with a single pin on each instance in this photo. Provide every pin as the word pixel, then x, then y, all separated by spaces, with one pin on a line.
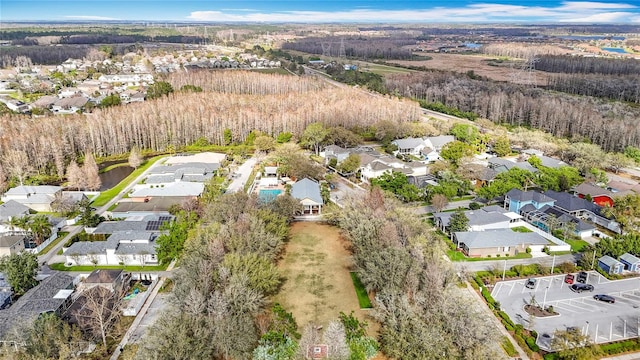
pixel 144 206
pixel 438 142
pixel 499 242
pixel 45 102
pixel 598 195
pixel 52 295
pixel 178 189
pixel 620 188
pixel 582 209
pixel 610 265
pixel 11 244
pixel 409 146
pixel 516 199
pixel 69 105
pixel 38 198
pixel 11 210
pixel 487 218
pixel 502 165
pixel 112 280
pixel 128 79
pixel 129 242
pixel 630 262
pixel 270 171
pixel 189 172
pixel 307 191
pixel 334 152
pixel 14 105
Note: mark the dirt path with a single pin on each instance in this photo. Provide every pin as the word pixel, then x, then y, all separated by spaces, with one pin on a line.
pixel 318 286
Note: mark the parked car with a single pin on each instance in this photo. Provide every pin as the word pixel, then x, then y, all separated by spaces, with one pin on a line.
pixel 582 277
pixel 605 298
pixel 581 287
pixel 569 278
pixel 530 284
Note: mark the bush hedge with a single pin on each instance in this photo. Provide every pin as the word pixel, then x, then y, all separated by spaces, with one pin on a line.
pixel 620 347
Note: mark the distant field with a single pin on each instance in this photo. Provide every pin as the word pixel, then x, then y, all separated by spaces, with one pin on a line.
pixel 479 64
pixel 381 69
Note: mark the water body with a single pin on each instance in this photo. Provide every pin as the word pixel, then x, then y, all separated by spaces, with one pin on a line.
pixel 472 45
pixel 615 50
pixel 112 177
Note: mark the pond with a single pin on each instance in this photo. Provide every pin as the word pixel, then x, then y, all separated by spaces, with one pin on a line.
pixel 112 177
pixel 615 50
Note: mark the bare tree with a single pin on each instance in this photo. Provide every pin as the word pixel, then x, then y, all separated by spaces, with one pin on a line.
pixel 17 164
pixel 75 176
pixel 90 169
pixel 335 338
pixel 310 337
pixel 3 180
pixel 439 202
pixel 100 310
pixel 135 158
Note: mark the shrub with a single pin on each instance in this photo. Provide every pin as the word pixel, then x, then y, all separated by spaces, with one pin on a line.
pixel 474 205
pixel 506 318
pixel 508 347
pixel 531 343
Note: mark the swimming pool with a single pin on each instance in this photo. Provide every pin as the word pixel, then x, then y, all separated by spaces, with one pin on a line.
pixel 267 195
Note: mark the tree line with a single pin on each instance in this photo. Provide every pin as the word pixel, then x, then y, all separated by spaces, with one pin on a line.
pixel 611 125
pixel 47 144
pixel 45 55
pixel 587 65
pixel 422 313
pixel 358 47
pixel 614 87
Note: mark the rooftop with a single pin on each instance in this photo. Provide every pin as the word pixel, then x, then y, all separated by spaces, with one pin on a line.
pixel 519 195
pixel 307 189
pixel 498 238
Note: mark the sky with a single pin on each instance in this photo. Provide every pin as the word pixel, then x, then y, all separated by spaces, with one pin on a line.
pixel 328 11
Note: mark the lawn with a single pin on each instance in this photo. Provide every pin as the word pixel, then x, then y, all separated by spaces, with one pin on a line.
pixel 61 267
pixel 318 283
pixel 48 248
pixel 521 229
pixel 577 245
pixel 361 292
pixel 107 195
pixel 458 256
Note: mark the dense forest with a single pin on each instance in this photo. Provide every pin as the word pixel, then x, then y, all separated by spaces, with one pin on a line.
pixel 587 65
pixel 44 55
pixel 611 125
pixel 614 87
pixel 360 47
pixel 237 101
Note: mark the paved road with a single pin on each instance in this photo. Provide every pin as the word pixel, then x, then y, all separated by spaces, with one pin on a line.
pixel 244 171
pixel 603 322
pixel 473 266
pixel 421 210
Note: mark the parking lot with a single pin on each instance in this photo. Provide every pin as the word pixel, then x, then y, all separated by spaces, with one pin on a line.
pixel 603 322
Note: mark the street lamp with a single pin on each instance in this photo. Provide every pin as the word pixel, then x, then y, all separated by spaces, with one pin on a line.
pixel 586 332
pixel 544 301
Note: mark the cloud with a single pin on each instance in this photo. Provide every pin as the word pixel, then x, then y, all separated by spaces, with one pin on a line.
pixel 89 17
pixel 569 11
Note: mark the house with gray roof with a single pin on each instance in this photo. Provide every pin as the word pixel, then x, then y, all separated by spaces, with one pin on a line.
pixel 486 218
pixel 502 165
pixel 409 146
pixel 180 189
pixel 131 207
pixel 335 152
pixel 130 242
pixel 438 142
pixel 11 244
pixel 500 242
pixel 38 198
pixel 307 191
pixel 10 210
pixel 582 209
pixel 53 294
pixel 515 199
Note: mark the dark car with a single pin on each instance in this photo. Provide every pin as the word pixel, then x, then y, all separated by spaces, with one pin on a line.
pixel 605 298
pixel 582 277
pixel 530 284
pixel 581 287
pixel 569 278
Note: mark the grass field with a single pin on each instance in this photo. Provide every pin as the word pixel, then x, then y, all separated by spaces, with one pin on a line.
pixel 318 283
pixel 361 292
pixel 107 195
pixel 55 242
pixel 577 245
pixel 458 256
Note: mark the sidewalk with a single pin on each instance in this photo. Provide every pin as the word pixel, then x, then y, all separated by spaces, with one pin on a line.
pixel 632 356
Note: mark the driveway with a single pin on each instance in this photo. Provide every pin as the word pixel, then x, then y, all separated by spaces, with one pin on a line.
pixel 243 174
pixel 600 321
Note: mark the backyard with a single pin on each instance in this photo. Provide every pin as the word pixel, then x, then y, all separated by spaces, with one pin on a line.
pixel 318 284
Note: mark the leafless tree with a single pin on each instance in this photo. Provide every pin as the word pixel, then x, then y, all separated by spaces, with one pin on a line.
pixel 90 169
pixel 75 176
pixel 17 164
pixel 439 202
pixel 135 158
pixel 101 308
pixel 336 339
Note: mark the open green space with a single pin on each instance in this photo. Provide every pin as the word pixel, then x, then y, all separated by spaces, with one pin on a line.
pixel 521 229
pixel 107 195
pixel 61 267
pixel 458 256
pixel 577 245
pixel 363 297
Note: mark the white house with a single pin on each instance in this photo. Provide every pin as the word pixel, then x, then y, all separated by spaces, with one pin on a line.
pixel 308 192
pixel 409 146
pixel 38 198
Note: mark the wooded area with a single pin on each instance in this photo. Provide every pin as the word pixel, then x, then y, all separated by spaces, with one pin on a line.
pixel 611 125
pixel 272 104
pixel 360 47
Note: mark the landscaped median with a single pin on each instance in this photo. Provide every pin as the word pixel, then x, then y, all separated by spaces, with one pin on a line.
pixel 89 268
pixel 107 195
